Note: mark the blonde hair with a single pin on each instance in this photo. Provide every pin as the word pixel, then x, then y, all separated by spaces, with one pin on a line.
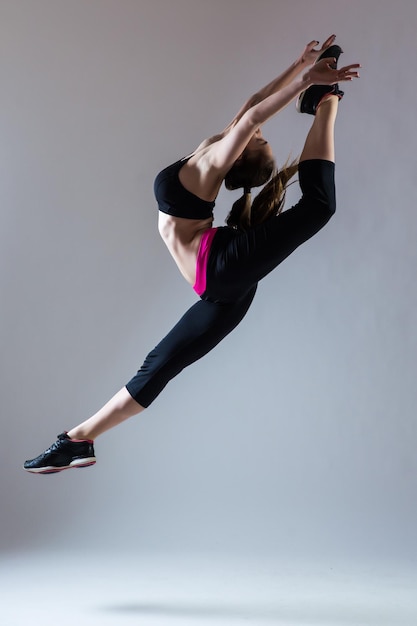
pixel 246 214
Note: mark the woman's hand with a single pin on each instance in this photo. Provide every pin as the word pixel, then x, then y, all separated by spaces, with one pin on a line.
pixel 310 54
pixel 322 73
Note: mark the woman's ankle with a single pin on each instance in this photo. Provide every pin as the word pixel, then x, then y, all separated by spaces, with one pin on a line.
pixel 329 100
pixel 78 434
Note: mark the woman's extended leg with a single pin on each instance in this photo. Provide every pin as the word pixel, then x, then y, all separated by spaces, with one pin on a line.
pixel 200 329
pixel 240 259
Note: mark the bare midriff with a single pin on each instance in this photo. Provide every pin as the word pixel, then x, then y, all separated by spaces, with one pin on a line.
pixel 182 237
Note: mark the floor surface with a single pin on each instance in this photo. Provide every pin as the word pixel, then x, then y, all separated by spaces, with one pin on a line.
pixel 122 590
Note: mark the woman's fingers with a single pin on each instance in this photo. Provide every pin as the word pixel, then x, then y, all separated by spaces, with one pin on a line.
pixel 310 46
pixel 327 63
pixel 350 67
pixel 324 72
pixel 328 42
pixel 349 71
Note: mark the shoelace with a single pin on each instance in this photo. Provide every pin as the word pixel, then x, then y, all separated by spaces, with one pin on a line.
pixel 55 445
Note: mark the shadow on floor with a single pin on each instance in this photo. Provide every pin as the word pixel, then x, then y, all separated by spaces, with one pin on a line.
pixel 318 615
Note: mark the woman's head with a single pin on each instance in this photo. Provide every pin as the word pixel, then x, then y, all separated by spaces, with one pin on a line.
pixel 254 167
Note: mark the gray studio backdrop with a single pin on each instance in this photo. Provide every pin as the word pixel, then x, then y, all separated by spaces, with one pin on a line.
pixel 295 436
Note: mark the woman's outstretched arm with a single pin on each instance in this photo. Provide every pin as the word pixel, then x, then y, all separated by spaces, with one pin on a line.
pixel 222 154
pixel 307 57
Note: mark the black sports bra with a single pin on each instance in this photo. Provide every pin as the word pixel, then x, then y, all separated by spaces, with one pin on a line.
pixel 174 199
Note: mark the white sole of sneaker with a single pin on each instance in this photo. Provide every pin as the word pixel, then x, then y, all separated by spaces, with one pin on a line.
pixel 299 101
pixel 54 470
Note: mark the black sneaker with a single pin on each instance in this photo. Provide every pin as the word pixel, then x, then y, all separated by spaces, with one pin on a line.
pixel 310 99
pixel 333 51
pixel 65 453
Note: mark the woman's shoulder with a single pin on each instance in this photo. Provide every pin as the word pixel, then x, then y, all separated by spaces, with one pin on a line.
pixel 208 142
pixel 204 147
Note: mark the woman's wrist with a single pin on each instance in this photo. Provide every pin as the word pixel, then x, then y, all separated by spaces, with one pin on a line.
pixel 304 82
pixel 299 66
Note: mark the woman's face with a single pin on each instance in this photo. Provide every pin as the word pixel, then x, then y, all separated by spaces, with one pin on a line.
pixel 258 143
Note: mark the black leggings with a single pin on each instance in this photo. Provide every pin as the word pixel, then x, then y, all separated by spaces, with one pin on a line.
pixel 237 261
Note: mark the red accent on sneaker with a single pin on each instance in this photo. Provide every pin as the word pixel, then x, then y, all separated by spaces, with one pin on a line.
pixel 81 440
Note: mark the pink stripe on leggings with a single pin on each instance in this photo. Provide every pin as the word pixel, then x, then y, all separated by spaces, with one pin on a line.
pixel 202 258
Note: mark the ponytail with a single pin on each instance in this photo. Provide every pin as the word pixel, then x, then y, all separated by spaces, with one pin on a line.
pixel 240 213
pixel 270 201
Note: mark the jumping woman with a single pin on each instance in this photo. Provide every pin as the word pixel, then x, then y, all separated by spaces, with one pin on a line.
pixel 225 264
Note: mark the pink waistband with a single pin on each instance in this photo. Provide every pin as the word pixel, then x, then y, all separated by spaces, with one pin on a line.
pixel 202 258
